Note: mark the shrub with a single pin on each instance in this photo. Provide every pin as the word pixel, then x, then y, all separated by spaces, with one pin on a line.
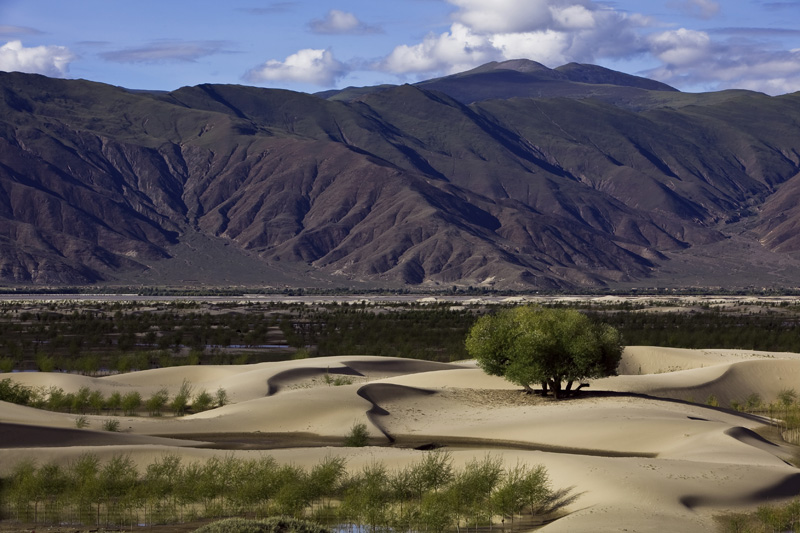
pixel 358 436
pixel 114 402
pixel 156 403
pixel 6 364
pixel 14 392
pixel 202 402
pixel 269 525
pixel 111 425
pixel 81 422
pixel 222 397
pixel 131 401
pixel 180 402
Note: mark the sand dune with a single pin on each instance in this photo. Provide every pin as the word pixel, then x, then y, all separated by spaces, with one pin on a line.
pixel 633 453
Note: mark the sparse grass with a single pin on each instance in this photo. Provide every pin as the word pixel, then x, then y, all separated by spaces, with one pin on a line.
pixel 337 381
pixel 81 422
pixel 111 425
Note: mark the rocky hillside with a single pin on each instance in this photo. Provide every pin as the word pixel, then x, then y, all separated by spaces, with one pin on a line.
pixel 578 177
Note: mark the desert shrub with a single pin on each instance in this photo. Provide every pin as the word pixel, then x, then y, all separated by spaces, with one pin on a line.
pixel 14 392
pixel 269 525
pixel 222 397
pixel 429 495
pixel 45 363
pixel 301 353
pixel 57 399
pixel 96 401
pixel 754 402
pixel 81 422
pixel 202 402
pixel 111 425
pixel 765 518
pixel 6 364
pixel 787 397
pixel 156 403
pixel 358 436
pixel 180 403
pixel 131 401
pixel 80 402
pixel 114 402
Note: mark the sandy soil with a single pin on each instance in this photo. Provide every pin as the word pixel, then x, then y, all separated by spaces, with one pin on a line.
pixel 636 452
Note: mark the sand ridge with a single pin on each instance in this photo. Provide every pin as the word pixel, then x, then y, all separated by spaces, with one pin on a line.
pixel 633 451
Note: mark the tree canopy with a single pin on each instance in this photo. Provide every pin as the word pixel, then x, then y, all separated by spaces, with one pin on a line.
pixel 528 345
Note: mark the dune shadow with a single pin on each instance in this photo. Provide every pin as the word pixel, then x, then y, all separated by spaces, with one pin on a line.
pixel 788 487
pixel 378 393
pixel 293 375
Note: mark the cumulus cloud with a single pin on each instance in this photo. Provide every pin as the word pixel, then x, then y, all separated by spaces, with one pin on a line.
pixel 692 58
pixel 306 66
pixel 554 32
pixel 165 52
pixel 48 60
pixel 341 22
pixel 453 51
pixel 548 31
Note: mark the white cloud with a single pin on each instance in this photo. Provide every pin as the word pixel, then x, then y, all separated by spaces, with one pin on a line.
pixel 307 66
pixel 47 60
pixel 165 52
pixel 692 59
pixel 341 22
pixel 453 51
pixel 503 16
pixel 547 47
pixel 548 31
pixel 554 32
pixel 681 47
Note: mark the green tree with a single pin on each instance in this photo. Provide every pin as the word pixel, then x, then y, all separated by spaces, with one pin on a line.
pixel 528 345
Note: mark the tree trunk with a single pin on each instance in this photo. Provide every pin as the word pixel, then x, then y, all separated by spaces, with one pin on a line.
pixel 544 388
pixel 555 386
pixel 568 389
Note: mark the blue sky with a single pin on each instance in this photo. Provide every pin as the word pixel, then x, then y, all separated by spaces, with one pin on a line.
pixel 309 45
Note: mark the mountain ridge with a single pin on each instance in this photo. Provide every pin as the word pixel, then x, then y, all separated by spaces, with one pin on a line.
pixel 403 185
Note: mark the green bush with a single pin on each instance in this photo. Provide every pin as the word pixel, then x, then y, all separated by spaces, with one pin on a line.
pixel 269 525
pixel 14 392
pixel 156 403
pixel 358 436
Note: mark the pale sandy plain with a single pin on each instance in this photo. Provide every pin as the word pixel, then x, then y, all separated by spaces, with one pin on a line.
pixel 639 452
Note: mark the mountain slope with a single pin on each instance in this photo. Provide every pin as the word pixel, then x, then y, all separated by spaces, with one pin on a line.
pixel 403 185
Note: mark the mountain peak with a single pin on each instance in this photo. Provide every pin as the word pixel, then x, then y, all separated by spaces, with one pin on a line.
pixel 525 66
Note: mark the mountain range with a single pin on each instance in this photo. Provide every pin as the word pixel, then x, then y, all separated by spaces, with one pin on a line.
pixel 511 175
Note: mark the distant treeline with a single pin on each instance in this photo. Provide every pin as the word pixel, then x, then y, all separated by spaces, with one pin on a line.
pixel 89 337
pixel 776 332
pixel 429 495
pixel 435 334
